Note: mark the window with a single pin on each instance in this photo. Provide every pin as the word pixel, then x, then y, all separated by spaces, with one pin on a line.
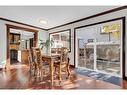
pixel 61 39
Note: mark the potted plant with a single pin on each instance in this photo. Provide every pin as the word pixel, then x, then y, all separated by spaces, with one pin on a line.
pixel 47 44
pixel 41 44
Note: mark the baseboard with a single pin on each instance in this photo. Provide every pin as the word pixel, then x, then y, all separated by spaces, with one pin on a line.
pixel 72 66
pixel 125 78
pixel 2 68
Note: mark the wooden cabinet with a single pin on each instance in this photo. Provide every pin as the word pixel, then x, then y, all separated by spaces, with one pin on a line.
pixel 14 38
pixel 24 56
pixel 14 47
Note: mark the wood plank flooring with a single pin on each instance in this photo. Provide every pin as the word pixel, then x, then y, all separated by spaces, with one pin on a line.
pixel 18 78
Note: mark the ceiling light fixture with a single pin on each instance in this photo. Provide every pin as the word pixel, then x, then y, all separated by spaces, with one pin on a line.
pixel 43 21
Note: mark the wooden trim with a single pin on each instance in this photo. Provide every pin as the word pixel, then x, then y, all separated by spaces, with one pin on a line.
pixel 14 34
pixel 8 27
pixel 63 31
pixel 21 28
pixel 99 22
pixel 123 44
pixel 60 31
pixel 92 16
pixel 5 19
pixel 74 46
pixel 72 66
pixel 35 39
pixel 124 47
pixel 7 49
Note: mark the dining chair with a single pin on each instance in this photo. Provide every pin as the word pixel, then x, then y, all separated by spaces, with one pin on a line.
pixel 34 64
pixel 39 62
pixel 40 67
pixel 58 50
pixel 31 63
pixel 62 63
pixel 53 50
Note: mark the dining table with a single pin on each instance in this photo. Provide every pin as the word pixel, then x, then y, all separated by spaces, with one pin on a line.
pixel 50 58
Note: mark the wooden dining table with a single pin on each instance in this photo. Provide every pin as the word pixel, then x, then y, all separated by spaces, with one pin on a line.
pixel 50 58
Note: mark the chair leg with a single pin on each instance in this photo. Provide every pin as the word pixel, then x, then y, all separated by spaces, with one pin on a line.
pixel 55 68
pixel 36 72
pixel 30 71
pixel 68 70
pixel 42 74
pixel 60 77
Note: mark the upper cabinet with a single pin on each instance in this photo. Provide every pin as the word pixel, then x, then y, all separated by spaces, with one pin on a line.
pixel 14 38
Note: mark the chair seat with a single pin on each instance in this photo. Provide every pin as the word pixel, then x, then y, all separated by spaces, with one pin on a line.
pixel 57 62
pixel 45 63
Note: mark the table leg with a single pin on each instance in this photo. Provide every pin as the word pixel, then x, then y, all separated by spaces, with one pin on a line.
pixel 68 67
pixel 60 79
pixel 51 69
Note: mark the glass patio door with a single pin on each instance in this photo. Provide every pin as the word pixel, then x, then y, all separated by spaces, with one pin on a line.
pixel 86 55
pixel 99 48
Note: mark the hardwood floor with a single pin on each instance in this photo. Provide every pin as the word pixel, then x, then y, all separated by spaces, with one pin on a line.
pixel 18 78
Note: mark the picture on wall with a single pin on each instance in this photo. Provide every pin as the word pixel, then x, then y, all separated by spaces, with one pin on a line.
pixel 61 39
pixel 64 37
pixel 56 37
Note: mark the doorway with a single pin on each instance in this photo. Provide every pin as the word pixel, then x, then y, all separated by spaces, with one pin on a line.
pixel 19 41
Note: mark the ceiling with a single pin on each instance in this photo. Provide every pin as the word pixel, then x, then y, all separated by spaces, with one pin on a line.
pixel 54 15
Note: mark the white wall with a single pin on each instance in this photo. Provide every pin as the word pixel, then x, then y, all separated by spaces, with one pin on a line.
pixel 105 17
pixel 42 35
pixel 2 45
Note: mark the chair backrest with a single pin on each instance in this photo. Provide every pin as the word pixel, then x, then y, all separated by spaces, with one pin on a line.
pixel 37 55
pixel 53 50
pixel 30 56
pixel 58 50
pixel 34 53
pixel 64 55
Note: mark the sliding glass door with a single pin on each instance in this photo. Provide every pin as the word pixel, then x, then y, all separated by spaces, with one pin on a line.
pixel 108 53
pixel 99 47
pixel 85 55
pixel 108 58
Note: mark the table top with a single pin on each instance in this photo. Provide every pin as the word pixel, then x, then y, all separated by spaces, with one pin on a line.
pixel 50 55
